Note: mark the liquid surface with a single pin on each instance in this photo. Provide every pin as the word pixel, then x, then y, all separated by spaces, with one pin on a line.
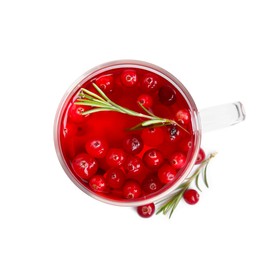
pixel 82 137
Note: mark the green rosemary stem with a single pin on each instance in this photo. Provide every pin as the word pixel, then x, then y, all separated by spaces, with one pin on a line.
pixel 170 203
pixel 101 102
pixel 198 170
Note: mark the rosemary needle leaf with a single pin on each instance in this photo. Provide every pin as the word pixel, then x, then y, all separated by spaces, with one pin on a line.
pixel 146 110
pixel 94 110
pixel 159 210
pixel 85 96
pixel 152 122
pixel 197 183
pixel 91 94
pixel 94 103
pixel 140 126
pixel 167 204
pixel 204 175
pixel 84 103
pixel 175 204
pixel 136 127
pixel 101 92
pixel 168 207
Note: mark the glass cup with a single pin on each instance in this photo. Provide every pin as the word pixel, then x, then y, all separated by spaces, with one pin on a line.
pixel 202 121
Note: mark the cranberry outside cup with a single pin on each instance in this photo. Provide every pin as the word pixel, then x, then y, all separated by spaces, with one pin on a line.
pixel 205 120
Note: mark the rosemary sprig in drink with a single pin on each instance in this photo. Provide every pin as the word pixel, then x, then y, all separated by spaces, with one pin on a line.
pixel 169 204
pixel 102 102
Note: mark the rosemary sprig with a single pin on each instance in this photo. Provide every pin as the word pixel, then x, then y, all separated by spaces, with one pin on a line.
pixel 170 203
pixel 102 102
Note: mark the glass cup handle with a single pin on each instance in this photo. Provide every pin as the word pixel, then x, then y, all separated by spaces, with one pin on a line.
pixel 221 116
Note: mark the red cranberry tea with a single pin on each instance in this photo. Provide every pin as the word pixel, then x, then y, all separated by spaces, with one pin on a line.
pixel 126 134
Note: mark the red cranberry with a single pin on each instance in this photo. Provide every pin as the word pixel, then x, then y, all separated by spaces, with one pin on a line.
pixel 151 184
pixel 167 95
pixel 115 157
pixel 129 78
pixel 105 83
pixel 145 100
pixel 133 144
pixel 97 147
pixel 84 166
pixel 75 113
pixel 174 134
pixel 153 136
pixel 97 183
pixel 131 190
pixel 191 196
pixel 115 178
pixel 185 145
pixel 183 116
pixel 150 83
pixel 201 156
pixel 134 166
pixel 153 158
pixel 146 211
pixel 177 160
pixel 166 173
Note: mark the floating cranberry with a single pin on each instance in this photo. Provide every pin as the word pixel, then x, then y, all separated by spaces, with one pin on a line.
pixel 133 166
pixel 84 166
pixel 115 157
pixel 185 144
pixel 153 158
pixel 174 134
pixel 151 184
pixel 131 190
pixel 201 156
pixel 153 136
pixel 191 196
pixel 115 178
pixel 105 83
pixel 177 160
pixel 166 173
pixel 188 145
pixel 129 78
pixel 146 211
pixel 133 144
pixel 183 116
pixel 97 183
pixel 167 95
pixel 97 147
pixel 75 113
pixel 145 100
pixel 150 83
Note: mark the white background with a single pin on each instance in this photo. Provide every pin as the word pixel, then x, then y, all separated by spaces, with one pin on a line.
pixel 222 51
